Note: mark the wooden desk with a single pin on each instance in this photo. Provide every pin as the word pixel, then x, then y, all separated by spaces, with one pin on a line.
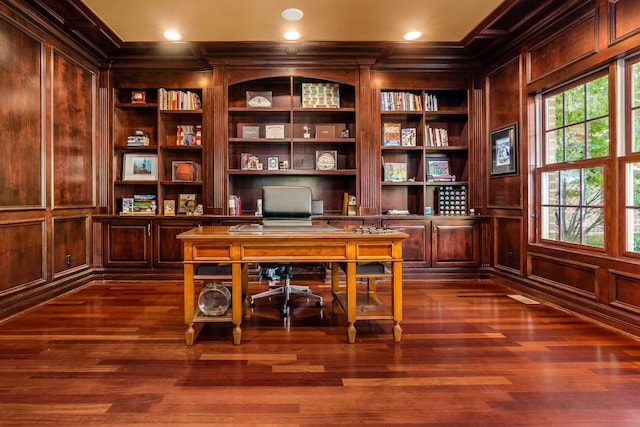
pixel 349 245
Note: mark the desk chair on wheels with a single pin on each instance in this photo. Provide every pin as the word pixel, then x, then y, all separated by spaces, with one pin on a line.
pixel 284 206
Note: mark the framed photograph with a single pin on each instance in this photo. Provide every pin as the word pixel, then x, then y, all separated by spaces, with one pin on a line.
pixel 326 160
pixel 250 132
pixel 186 203
pixel 438 169
pixel 272 163
pixel 169 208
pixel 504 150
pixel 140 167
pixel 274 131
pixel 395 172
pixel 259 99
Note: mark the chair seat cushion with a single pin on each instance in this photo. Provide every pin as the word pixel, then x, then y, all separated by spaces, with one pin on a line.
pixel 214 270
pixel 365 267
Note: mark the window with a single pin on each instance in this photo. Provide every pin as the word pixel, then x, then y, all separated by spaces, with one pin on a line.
pixel 575 150
pixel 633 207
pixel 635 107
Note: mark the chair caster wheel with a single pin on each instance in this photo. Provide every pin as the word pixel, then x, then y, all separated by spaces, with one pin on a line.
pixel 284 311
pixel 252 303
pixel 318 303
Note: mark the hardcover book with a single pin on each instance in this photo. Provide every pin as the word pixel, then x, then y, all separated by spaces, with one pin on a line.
pixel 409 137
pixel 391 134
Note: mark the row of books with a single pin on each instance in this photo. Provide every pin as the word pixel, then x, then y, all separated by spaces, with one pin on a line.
pixel 435 137
pixel 188 135
pixel 407 101
pixel 235 205
pixel 179 100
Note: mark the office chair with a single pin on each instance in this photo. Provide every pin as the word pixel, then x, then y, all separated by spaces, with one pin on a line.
pixel 290 207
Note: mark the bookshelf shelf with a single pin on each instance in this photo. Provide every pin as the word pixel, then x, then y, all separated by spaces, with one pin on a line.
pixel 298 133
pixel 439 121
pixel 162 126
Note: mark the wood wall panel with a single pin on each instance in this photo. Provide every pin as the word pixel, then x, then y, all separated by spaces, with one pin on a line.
pixel 566 47
pixel 566 274
pixel 70 237
pixel 624 289
pixel 73 99
pixel 503 100
pixel 22 254
pixel 507 244
pixel 624 18
pixel 21 118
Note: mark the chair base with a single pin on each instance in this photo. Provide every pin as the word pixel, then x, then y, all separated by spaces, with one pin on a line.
pixel 287 290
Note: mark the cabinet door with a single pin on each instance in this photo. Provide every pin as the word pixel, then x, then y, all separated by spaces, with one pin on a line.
pixel 414 249
pixel 168 251
pixel 455 243
pixel 127 243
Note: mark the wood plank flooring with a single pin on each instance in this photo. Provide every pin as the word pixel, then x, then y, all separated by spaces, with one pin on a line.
pixel 113 353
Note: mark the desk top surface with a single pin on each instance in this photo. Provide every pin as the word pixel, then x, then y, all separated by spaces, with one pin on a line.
pixel 257 231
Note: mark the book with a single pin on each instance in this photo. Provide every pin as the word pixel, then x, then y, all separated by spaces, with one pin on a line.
pixel 188 135
pixel 409 137
pixel 235 205
pixel 395 172
pixel 391 134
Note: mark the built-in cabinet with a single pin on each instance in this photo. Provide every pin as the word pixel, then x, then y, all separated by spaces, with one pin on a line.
pixel 145 242
pixel 150 145
pixel 292 130
pixel 289 129
pixel 424 151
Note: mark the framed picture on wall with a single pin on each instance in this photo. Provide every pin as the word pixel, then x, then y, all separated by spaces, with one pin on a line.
pixel 504 150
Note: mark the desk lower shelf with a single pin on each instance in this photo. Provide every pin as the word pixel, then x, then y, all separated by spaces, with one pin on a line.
pixel 368 305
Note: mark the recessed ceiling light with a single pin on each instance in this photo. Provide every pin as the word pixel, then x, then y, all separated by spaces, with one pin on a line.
pixel 292 35
pixel 292 14
pixel 172 35
pixel 412 35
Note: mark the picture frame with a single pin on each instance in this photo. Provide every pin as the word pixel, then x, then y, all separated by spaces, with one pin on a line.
pixel 395 172
pixel 504 150
pixel 139 167
pixel 169 208
pixel 186 203
pixel 259 99
pixel 274 131
pixel 272 163
pixel 250 131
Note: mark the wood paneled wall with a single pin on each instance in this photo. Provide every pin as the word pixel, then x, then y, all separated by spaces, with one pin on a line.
pixel 47 140
pixel 602 285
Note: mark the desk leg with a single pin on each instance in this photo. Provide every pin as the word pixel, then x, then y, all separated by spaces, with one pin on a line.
pixel 396 297
pixel 236 300
pixel 189 302
pixel 351 301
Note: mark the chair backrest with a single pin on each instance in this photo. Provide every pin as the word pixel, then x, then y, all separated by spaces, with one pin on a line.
pixel 284 205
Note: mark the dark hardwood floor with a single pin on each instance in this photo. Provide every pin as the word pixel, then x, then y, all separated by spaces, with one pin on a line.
pixel 113 353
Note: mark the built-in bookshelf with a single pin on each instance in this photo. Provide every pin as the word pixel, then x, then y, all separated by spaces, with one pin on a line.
pixel 424 134
pixel 157 146
pixel 291 130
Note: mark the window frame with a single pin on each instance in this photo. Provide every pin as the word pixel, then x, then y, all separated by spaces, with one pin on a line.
pixel 605 162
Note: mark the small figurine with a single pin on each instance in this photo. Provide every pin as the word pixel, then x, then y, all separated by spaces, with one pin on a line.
pixel 307 132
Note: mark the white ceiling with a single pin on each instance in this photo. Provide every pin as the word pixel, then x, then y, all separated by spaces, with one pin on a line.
pixel 324 20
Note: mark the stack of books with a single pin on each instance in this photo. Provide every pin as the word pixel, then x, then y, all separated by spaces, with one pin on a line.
pixel 137 139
